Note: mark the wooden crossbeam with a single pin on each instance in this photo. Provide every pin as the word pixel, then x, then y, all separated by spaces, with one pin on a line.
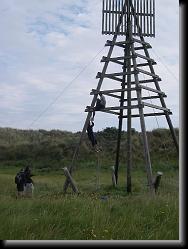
pixel 112 90
pixel 70 180
pixel 144 57
pixel 156 107
pixel 148 73
pixel 152 90
pixel 147 115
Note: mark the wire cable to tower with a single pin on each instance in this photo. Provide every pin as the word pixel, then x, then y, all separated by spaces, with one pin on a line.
pixel 64 89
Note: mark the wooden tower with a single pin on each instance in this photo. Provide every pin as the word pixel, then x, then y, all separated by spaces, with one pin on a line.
pixel 130 20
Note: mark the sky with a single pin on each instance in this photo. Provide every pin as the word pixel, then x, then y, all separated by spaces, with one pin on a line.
pixel 50 52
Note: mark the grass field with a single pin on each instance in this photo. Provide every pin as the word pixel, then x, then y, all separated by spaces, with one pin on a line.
pixel 99 212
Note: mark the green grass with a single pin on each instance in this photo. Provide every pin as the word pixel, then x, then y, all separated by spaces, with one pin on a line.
pixel 51 215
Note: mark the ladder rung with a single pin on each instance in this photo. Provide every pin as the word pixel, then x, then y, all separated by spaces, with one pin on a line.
pixel 144 57
pixel 147 115
pixel 156 107
pixel 140 48
pixel 141 42
pixel 152 90
pixel 99 75
pixel 148 73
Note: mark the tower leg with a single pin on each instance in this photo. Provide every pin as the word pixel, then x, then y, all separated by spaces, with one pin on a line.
pixel 129 124
pixel 143 128
pixel 162 100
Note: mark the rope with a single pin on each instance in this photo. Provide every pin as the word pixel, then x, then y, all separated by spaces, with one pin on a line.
pixel 64 89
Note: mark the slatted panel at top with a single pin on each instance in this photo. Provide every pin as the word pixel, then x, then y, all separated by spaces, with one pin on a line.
pixel 115 14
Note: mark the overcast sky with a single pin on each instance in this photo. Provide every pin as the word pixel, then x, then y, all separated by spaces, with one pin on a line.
pixel 50 52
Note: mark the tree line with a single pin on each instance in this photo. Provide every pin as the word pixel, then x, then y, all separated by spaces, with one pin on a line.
pixel 52 149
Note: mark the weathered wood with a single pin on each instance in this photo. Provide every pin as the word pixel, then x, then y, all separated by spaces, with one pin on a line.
pixel 129 123
pixel 156 107
pixel 143 128
pixel 144 57
pixel 115 108
pixel 71 181
pixel 114 183
pixel 147 115
pixel 148 73
pixel 153 90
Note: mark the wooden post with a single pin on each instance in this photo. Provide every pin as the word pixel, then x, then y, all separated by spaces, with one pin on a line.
pixel 113 177
pixel 71 181
pixel 129 140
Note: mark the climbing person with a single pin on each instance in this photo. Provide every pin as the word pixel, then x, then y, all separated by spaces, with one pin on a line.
pixel 100 104
pixel 91 135
pixel 29 185
pixel 20 182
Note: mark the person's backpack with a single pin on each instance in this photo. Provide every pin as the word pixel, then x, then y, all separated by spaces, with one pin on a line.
pixel 18 178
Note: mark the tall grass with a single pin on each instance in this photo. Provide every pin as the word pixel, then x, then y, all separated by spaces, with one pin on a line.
pixel 102 214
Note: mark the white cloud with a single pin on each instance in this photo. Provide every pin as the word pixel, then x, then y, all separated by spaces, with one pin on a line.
pixel 45 44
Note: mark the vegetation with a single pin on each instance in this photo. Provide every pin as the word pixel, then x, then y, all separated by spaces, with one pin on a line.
pixel 102 214
pixel 53 149
pixel 99 212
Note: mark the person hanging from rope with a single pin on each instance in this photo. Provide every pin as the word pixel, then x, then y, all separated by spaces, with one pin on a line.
pixel 100 104
pixel 91 135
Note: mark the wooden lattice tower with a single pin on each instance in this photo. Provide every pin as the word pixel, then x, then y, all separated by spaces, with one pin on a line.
pixel 133 19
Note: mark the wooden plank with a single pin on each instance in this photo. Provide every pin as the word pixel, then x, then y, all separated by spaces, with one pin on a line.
pixel 102 16
pixel 144 57
pixel 147 11
pixel 147 73
pixel 156 107
pixel 144 11
pixel 70 179
pixel 145 98
pixel 121 73
pixel 116 16
pixel 153 90
pixel 150 30
pixel 154 18
pixel 113 90
pixel 141 48
pixel 109 17
pixel 141 15
pixel 147 115
pixel 143 129
pixel 141 42
pixel 114 183
pixel 106 17
pixel 134 18
pixel 113 29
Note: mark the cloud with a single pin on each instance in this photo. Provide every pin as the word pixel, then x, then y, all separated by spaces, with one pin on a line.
pixel 46 61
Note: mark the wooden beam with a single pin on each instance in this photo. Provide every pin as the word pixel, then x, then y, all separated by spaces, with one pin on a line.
pixel 156 107
pixel 70 180
pixel 148 73
pixel 148 115
pixel 152 90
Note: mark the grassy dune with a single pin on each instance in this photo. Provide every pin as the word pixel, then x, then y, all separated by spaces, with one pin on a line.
pixel 95 214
